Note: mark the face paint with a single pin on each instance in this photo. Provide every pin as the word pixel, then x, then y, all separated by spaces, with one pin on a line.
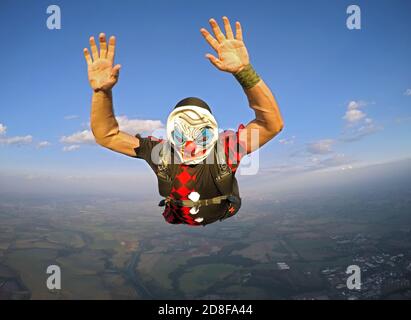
pixel 193 133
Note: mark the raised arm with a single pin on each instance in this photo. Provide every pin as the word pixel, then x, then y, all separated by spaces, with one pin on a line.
pixel 233 58
pixel 102 77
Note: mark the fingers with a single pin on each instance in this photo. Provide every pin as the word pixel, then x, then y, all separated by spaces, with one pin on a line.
pixel 103 46
pixel 111 48
pixel 87 56
pixel 238 31
pixel 105 53
pixel 228 30
pixel 116 71
pixel 217 31
pixel 93 47
pixel 210 39
pixel 216 62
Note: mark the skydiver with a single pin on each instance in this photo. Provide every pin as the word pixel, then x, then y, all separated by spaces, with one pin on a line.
pixel 196 164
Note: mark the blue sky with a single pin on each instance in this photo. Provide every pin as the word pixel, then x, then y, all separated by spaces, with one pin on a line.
pixel 343 93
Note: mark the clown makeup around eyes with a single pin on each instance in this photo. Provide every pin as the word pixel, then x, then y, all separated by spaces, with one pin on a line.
pixel 204 137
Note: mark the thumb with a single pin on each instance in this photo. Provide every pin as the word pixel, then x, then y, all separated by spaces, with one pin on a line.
pixel 116 70
pixel 215 61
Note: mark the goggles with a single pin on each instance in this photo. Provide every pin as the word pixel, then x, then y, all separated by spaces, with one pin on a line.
pixel 203 138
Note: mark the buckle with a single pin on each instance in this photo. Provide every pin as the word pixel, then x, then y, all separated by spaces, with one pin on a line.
pixel 164 202
pixel 233 199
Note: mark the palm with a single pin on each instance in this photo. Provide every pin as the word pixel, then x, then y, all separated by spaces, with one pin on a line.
pixel 101 73
pixel 232 53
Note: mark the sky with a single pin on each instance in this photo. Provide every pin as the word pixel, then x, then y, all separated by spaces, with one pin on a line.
pixel 345 95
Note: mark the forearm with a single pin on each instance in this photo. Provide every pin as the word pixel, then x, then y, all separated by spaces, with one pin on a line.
pixel 103 122
pixel 268 121
pixel 267 112
pixel 105 127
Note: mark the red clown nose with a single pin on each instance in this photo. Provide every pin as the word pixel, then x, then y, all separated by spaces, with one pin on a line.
pixel 189 148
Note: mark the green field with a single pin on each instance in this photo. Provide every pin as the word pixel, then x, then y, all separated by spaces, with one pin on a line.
pixel 202 277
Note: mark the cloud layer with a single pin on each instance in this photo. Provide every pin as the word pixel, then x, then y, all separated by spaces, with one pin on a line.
pixel 131 126
pixel 81 137
pixel 321 147
pixel 16 140
pixel 357 124
pixel 71 148
pixel 320 154
pixel 43 144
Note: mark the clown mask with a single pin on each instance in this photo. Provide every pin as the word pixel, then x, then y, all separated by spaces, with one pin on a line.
pixel 193 132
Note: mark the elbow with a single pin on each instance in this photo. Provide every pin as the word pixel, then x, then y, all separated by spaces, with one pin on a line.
pixel 102 139
pixel 104 142
pixel 275 129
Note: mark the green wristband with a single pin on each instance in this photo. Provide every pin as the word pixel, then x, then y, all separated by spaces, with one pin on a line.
pixel 247 77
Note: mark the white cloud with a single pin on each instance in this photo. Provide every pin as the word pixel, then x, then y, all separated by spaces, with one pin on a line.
pixel 71 148
pixel 17 140
pixel 43 144
pixel 71 117
pixel 81 137
pixel 3 129
pixel 353 113
pixel 356 133
pixel 131 126
pixel 358 123
pixel 336 160
pixel 333 161
pixel 286 141
pixel 407 92
pixel 356 104
pixel 321 147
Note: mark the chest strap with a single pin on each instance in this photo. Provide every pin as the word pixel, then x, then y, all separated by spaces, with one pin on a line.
pixel 199 203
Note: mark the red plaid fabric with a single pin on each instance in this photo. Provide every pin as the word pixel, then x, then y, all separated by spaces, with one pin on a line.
pixel 184 184
pixel 234 149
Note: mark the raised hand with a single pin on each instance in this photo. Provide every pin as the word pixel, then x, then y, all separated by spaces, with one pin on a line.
pixel 101 73
pixel 232 53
